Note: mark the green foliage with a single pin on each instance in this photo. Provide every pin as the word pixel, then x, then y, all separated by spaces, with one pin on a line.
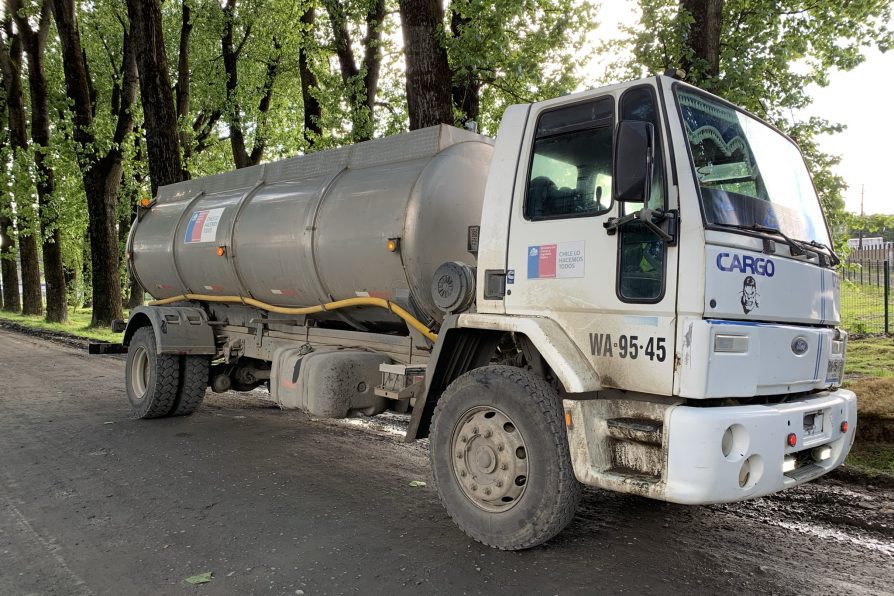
pixel 520 50
pixel 770 54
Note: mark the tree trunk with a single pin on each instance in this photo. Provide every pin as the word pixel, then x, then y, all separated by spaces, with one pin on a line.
pixel 466 86
pixel 54 275
pixel 703 38
pixel 309 84
pixel 362 86
pixel 8 269
pixel 101 173
pixel 181 88
pixel 428 74
pixel 230 52
pixel 25 220
pixel 160 118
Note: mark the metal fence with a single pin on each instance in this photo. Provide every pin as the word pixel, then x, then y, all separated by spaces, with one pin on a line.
pixel 867 300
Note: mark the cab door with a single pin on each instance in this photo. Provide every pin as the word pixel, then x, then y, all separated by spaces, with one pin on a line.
pixel 614 292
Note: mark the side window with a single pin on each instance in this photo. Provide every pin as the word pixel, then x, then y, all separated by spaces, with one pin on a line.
pixel 639 104
pixel 571 166
pixel 641 253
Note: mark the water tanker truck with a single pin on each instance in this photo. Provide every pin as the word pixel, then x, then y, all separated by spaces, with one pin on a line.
pixel 631 288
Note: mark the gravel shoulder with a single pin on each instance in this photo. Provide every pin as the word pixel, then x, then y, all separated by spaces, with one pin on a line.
pixel 94 502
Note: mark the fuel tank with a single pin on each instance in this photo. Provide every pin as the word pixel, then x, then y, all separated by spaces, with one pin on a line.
pixel 372 219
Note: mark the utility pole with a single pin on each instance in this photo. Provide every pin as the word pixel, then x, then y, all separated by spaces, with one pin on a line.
pixel 862 221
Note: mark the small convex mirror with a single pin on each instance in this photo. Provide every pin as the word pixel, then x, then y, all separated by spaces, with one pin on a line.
pixel 634 156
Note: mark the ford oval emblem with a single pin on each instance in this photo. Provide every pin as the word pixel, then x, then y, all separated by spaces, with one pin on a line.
pixel 799 346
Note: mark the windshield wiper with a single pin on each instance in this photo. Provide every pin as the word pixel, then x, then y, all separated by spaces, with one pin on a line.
pixel 797 247
pixel 833 257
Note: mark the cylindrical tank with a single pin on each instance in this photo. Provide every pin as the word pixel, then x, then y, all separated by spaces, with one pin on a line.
pixel 314 229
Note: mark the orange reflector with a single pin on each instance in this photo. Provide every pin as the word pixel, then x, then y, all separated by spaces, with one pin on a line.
pixel 144 202
pixel 844 426
pixel 392 244
pixel 792 440
pixel 221 251
pixel 568 421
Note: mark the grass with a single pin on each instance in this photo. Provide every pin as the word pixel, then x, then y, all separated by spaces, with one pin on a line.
pixel 870 357
pixel 875 458
pixel 78 325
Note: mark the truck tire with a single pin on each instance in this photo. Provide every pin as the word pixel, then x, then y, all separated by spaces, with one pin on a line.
pixel 152 379
pixel 500 458
pixel 193 383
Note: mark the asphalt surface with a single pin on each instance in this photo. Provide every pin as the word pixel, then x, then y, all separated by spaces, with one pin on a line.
pixel 273 502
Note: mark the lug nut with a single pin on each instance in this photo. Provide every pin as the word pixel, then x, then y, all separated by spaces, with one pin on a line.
pixel 487 434
pixel 459 455
pixel 504 466
pixel 462 473
pixel 464 439
pixel 499 483
pixel 500 447
pixel 475 430
pixel 474 487
pixel 487 491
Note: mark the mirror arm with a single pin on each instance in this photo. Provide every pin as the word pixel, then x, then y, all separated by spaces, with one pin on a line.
pixel 648 217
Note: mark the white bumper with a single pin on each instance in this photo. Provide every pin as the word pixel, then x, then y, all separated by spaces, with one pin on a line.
pixel 698 472
pixel 701 455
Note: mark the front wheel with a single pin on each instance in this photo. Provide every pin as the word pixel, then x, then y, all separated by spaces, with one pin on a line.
pixel 500 458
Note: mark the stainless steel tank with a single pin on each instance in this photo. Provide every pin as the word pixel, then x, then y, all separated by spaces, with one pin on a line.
pixel 313 229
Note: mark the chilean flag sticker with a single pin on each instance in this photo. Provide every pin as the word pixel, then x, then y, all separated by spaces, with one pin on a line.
pixel 542 261
pixel 549 261
pixel 202 226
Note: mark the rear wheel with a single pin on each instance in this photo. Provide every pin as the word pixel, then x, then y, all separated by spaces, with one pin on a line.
pixel 500 458
pixel 152 379
pixel 193 383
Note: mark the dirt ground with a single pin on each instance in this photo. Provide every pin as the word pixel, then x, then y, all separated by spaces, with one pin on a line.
pixel 272 502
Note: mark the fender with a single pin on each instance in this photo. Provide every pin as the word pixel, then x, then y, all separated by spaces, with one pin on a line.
pixel 181 330
pixel 572 368
pixel 467 341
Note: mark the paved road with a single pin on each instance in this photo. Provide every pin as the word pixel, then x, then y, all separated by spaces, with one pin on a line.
pixel 272 502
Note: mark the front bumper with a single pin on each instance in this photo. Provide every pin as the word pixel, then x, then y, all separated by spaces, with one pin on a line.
pixel 701 455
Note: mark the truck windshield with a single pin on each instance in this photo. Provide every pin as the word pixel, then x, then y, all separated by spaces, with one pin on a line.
pixel 750 175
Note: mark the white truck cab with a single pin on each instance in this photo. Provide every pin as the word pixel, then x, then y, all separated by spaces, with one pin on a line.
pixel 630 288
pixel 695 333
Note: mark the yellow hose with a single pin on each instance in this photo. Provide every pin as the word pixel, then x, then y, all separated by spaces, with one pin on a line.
pixel 308 310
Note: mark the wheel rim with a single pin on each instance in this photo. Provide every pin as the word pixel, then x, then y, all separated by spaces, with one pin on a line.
pixel 139 372
pixel 489 459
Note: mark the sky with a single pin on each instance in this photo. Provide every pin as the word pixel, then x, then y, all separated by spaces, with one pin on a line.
pixel 855 98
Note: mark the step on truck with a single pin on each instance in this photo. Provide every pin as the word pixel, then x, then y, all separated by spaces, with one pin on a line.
pixel 630 288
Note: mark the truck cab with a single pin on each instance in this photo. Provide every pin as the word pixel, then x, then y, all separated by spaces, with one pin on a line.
pixel 677 245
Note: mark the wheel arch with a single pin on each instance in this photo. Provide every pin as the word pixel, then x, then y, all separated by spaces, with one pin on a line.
pixel 182 330
pixel 468 341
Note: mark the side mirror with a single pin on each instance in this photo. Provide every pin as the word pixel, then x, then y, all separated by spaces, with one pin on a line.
pixel 634 156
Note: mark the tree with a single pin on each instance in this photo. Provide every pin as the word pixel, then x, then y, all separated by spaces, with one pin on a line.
pixel 510 51
pixel 704 26
pixel 764 57
pixel 8 269
pixel 160 117
pixel 231 50
pixel 360 82
pixel 25 217
pixel 35 43
pixel 100 163
pixel 310 85
pixel 429 85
